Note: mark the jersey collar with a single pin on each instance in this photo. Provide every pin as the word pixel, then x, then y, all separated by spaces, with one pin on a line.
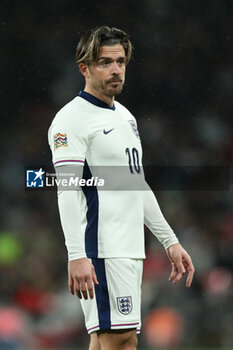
pixel 94 100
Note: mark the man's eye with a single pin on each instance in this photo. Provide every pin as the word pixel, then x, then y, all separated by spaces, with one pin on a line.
pixel 105 63
pixel 121 61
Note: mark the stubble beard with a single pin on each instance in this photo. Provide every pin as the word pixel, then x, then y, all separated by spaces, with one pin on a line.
pixel 107 88
pixel 114 90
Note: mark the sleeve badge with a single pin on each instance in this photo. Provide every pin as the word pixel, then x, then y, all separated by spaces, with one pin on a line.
pixel 60 140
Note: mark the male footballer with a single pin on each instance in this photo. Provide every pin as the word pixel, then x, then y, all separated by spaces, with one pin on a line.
pixel 104 230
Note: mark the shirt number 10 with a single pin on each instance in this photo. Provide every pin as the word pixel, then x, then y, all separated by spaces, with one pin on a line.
pixel 133 155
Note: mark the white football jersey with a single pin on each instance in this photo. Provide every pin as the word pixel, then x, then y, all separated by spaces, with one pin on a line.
pixel 86 131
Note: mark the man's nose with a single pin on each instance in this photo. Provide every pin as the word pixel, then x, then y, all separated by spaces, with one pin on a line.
pixel 115 68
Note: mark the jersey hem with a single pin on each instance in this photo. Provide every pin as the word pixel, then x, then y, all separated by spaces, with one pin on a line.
pixel 118 256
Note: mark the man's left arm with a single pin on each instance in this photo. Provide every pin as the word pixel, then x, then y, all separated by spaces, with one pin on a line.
pixel 155 221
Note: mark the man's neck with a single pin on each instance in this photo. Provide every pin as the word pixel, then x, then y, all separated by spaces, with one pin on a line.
pixel 106 99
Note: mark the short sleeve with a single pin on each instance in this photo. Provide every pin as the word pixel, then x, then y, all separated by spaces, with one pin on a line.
pixel 68 138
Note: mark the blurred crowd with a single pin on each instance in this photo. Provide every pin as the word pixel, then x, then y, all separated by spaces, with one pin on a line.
pixel 179 86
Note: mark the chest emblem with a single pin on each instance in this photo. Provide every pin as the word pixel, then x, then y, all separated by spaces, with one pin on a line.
pixel 134 128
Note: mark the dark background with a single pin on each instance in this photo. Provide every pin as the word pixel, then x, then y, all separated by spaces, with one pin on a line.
pixel 179 86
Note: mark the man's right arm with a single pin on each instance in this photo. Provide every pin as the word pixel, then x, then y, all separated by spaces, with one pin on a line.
pixel 69 209
pixel 68 139
pixel 81 273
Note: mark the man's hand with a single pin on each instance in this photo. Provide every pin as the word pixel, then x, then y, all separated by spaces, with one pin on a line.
pixel 81 276
pixel 181 264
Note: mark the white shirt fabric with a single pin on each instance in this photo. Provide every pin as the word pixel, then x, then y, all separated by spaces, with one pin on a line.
pixel 100 223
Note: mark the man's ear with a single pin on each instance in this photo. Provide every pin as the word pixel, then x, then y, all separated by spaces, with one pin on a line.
pixel 84 69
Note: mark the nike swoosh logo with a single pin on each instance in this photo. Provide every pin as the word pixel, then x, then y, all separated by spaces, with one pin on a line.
pixel 107 131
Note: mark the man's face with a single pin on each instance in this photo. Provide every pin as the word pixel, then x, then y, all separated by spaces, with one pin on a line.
pixel 107 75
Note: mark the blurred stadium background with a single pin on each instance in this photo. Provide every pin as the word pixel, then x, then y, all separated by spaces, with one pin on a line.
pixel 179 86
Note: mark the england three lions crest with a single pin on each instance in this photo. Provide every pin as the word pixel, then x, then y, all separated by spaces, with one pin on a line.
pixel 134 128
pixel 125 305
